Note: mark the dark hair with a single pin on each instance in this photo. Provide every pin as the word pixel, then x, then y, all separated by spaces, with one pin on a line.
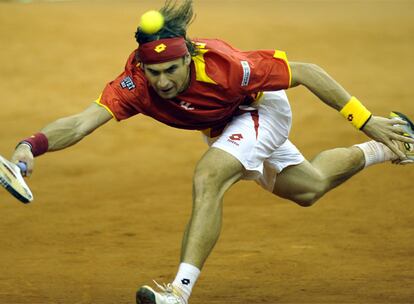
pixel 177 19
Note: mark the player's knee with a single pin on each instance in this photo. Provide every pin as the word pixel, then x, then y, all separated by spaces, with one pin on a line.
pixel 310 197
pixel 205 182
pixel 306 200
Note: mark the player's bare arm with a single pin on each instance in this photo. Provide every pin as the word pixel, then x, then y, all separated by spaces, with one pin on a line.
pixel 320 83
pixel 333 94
pixel 65 132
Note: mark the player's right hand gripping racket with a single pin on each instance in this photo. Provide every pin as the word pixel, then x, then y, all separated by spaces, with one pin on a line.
pixel 12 180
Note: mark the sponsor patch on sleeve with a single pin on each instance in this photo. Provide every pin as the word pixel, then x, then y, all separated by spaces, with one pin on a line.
pixel 127 83
pixel 246 73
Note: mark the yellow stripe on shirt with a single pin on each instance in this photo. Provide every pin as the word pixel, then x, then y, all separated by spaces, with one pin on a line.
pixel 98 102
pixel 282 55
pixel 200 64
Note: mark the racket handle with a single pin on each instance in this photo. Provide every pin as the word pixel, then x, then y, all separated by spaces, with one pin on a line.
pixel 22 166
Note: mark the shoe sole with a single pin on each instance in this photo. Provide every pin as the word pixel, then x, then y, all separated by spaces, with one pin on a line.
pixel 145 296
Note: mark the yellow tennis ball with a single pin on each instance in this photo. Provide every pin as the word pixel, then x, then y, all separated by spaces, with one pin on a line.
pixel 151 22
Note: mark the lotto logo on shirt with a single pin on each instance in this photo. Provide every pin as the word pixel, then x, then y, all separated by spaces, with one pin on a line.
pixel 127 83
pixel 235 138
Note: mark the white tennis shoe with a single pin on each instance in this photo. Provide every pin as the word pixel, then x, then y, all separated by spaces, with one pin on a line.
pixel 168 294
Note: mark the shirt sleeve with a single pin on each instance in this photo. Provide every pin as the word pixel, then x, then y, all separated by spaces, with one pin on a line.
pixel 118 98
pixel 264 71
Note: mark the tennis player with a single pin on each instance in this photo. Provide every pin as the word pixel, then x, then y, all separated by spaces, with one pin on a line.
pixel 237 100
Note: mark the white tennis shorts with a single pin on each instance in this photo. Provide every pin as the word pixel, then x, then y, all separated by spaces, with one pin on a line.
pixel 259 139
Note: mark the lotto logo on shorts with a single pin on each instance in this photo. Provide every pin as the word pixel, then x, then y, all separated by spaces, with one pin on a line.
pixel 234 138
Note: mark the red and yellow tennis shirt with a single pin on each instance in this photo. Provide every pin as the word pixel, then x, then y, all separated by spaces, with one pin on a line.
pixel 222 79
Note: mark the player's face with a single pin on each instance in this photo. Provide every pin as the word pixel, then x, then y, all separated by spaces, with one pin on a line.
pixel 169 78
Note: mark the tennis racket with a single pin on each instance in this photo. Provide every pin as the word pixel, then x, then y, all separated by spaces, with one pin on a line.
pixel 12 180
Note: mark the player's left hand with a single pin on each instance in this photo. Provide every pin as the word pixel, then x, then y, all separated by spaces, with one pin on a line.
pixel 387 130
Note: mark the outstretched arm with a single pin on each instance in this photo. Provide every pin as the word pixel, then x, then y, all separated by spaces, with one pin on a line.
pixel 333 94
pixel 69 130
pixel 65 132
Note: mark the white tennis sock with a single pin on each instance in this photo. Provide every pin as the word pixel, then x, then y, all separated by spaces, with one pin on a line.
pixel 186 278
pixel 376 152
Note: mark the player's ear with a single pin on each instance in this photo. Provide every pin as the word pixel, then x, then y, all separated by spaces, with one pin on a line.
pixel 187 59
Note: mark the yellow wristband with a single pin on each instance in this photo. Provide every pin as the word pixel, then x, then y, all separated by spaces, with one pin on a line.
pixel 355 112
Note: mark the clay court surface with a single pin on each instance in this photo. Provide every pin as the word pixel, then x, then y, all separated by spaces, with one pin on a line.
pixel 109 212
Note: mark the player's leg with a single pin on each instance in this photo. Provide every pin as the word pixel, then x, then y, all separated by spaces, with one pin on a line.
pixel 214 174
pixel 305 183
